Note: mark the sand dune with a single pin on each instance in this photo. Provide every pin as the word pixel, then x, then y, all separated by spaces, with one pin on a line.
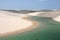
pixel 35 13
pixel 50 14
pixel 10 22
pixel 57 18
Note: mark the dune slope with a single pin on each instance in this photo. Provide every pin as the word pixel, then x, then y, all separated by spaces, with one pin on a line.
pixel 9 22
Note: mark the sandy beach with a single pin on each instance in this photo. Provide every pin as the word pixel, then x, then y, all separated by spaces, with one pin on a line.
pixel 12 24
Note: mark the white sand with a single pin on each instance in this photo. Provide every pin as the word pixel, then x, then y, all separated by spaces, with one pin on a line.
pixel 10 22
pixel 57 18
pixel 35 13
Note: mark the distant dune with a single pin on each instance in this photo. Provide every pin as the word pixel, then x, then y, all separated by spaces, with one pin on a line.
pixel 41 13
pixel 35 13
pixel 50 14
pixel 21 11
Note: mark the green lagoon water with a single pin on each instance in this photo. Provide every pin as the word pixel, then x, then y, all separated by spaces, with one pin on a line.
pixel 46 30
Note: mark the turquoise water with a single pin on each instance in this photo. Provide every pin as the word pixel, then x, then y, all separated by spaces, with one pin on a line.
pixel 47 30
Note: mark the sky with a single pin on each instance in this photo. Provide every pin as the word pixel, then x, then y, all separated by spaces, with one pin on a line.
pixel 29 4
